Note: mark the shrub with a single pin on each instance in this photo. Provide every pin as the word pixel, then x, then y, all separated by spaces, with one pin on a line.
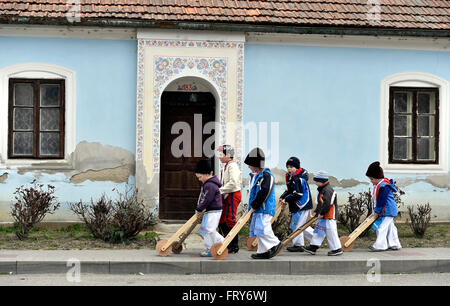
pixel 280 226
pixel 420 219
pixel 358 205
pixel 117 220
pixel 97 216
pixel 31 206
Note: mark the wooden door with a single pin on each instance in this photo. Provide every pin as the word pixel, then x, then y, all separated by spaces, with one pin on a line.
pixel 179 188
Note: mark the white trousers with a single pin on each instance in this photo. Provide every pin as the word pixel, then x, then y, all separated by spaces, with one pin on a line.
pixel 208 228
pixel 331 233
pixel 387 235
pixel 268 240
pixel 299 240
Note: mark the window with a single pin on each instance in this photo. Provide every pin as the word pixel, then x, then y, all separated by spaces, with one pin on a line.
pixel 36 118
pixel 414 121
pixel 414 125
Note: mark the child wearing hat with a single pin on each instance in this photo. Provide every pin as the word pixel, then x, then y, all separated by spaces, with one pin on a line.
pixel 385 209
pixel 262 201
pixel 230 179
pixel 327 211
pixel 298 197
pixel 209 199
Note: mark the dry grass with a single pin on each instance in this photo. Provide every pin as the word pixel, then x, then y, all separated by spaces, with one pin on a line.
pixel 75 237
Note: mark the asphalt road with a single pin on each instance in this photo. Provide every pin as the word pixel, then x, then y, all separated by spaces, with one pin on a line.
pixel 425 279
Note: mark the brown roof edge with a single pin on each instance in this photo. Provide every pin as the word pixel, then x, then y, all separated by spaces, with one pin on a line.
pixel 234 27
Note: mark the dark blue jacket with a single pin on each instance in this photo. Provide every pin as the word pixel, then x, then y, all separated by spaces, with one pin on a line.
pixel 298 194
pixel 210 198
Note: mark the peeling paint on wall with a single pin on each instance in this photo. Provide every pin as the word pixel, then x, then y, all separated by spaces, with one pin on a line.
pixel 117 175
pixel 440 181
pixel 147 192
pixel 280 179
pixel 3 177
pixel 95 156
pixel 437 180
pixel 90 161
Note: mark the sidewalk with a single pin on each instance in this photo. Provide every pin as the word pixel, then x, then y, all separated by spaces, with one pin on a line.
pixel 416 260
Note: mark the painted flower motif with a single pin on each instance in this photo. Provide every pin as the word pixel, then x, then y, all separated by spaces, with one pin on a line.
pixel 159 78
pixel 191 64
pixel 202 64
pixel 220 81
pixel 219 65
pixel 161 64
pixel 179 63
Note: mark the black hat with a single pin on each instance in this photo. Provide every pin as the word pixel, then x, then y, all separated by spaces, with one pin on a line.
pixel 293 162
pixel 255 158
pixel 203 167
pixel 375 170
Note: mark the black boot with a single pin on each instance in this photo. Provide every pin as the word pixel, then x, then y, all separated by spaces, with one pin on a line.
pixel 296 248
pixel 311 249
pixel 265 255
pixel 274 250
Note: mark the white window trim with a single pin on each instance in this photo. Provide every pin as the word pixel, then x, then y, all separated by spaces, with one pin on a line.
pixel 38 71
pixel 414 79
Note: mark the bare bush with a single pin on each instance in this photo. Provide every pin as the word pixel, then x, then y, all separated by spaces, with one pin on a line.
pixel 360 206
pixel 31 206
pixel 351 214
pixel 419 219
pixel 280 226
pixel 97 216
pixel 116 220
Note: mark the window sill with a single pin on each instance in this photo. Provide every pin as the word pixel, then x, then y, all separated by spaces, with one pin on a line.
pixel 414 169
pixel 33 164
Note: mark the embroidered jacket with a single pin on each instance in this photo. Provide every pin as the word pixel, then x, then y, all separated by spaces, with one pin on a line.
pixel 298 194
pixel 262 192
pixel 383 198
pixel 327 202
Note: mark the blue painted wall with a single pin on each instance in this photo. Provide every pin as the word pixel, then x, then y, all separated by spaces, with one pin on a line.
pixel 327 99
pixel 105 106
pixel 327 102
pixel 106 82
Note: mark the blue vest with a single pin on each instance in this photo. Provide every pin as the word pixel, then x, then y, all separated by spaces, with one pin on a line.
pixel 269 205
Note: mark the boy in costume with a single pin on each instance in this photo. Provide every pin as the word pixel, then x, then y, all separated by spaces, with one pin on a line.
pixel 327 211
pixel 262 201
pixel 385 209
pixel 298 197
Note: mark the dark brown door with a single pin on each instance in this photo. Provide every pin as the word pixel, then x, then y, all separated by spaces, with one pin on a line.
pixel 179 187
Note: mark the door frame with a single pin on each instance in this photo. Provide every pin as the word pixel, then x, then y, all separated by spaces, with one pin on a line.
pixel 164 56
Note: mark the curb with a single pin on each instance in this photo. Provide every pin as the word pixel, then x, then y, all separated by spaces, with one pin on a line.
pixel 189 262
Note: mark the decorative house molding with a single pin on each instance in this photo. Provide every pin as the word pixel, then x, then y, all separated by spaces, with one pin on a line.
pixel 415 79
pixel 218 64
pixel 38 71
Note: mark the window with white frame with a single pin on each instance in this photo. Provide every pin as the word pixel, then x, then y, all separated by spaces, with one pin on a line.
pixel 37 115
pixel 36 118
pixel 414 123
